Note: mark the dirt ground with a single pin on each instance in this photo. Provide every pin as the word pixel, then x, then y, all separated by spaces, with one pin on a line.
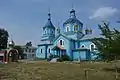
pixel 42 70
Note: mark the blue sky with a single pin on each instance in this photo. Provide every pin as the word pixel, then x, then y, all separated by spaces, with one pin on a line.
pixel 24 19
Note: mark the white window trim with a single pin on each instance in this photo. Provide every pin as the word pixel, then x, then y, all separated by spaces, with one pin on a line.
pixel 62 42
pixel 41 50
pixel 82 45
pixel 68 28
pixel 49 50
pixel 90 46
pixel 77 28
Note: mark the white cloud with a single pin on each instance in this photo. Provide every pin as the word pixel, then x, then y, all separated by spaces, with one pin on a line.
pixel 104 13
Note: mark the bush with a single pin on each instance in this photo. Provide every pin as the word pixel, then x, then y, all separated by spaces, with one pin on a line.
pixel 55 56
pixel 65 57
pixel 60 59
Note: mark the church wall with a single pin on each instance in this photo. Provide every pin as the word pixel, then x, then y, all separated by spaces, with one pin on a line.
pixel 81 54
pixel 87 45
pixel 40 54
pixel 49 50
pixel 77 44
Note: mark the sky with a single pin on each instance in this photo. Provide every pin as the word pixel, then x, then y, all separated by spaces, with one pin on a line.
pixel 24 19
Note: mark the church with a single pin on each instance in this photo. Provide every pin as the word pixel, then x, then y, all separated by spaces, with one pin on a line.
pixel 73 41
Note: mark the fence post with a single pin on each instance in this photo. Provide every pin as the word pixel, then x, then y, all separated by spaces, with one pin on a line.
pixel 116 72
pixel 86 74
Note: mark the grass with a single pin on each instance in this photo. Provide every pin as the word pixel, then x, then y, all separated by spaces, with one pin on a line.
pixel 41 70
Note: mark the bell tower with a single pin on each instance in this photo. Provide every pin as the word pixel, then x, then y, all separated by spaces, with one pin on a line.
pixel 48 31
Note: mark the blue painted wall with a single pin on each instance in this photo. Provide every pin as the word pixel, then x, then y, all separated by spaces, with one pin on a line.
pixel 39 54
pixel 51 51
pixel 87 44
pixel 82 54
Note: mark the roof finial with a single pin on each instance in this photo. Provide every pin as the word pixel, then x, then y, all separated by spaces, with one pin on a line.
pixel 72 5
pixel 49 15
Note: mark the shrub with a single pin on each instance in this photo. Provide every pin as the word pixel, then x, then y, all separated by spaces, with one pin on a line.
pixel 65 57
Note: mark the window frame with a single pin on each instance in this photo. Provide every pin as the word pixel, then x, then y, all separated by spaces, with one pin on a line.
pixel 82 45
pixel 41 51
pixel 49 50
pixel 61 44
pixel 67 28
pixel 91 47
pixel 75 28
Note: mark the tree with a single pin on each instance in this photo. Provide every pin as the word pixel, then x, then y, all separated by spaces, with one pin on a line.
pixel 29 43
pixel 108 46
pixel 3 38
pixel 20 50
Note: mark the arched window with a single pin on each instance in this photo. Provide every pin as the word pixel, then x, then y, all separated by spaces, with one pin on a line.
pixel 82 46
pixel 60 42
pixel 52 31
pixel 41 50
pixel 67 28
pixel 29 50
pixel 45 32
pixel 49 50
pixel 25 50
pixel 76 28
pixel 92 47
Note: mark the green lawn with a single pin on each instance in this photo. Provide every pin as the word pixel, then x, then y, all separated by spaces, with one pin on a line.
pixel 42 70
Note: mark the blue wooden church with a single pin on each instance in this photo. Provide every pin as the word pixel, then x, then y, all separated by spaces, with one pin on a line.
pixel 72 41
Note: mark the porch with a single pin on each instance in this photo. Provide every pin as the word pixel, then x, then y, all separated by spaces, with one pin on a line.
pixel 59 51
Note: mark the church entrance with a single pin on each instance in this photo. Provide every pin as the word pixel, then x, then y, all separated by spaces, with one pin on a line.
pixel 58 51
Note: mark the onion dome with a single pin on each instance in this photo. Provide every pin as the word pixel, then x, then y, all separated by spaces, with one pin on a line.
pixel 72 18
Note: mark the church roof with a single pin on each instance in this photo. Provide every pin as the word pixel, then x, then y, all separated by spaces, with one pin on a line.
pixel 63 36
pixel 91 36
pixel 43 44
pixel 72 20
pixel 49 23
pixel 58 47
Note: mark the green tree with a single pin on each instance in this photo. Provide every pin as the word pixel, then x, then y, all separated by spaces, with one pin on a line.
pixel 3 38
pixel 109 45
